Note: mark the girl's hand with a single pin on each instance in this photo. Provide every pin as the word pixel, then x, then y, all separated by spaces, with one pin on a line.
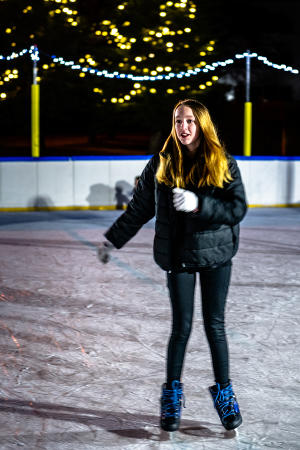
pixel 184 200
pixel 104 251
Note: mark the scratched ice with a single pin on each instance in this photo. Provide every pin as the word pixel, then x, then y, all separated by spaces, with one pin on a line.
pixel 82 345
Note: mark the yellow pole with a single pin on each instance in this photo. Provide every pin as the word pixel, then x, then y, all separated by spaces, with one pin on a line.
pixel 247 128
pixel 247 110
pixel 35 120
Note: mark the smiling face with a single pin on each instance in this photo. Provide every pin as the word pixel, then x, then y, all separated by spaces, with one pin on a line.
pixel 187 127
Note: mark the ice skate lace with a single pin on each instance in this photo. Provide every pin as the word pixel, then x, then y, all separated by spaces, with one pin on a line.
pixel 173 399
pixel 224 401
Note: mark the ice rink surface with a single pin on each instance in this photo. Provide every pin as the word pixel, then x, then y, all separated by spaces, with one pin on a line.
pixel 83 345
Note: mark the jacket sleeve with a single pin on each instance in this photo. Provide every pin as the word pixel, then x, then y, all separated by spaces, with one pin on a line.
pixel 139 210
pixel 224 206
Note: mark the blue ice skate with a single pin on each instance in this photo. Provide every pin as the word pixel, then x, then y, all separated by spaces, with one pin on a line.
pixel 227 406
pixel 171 402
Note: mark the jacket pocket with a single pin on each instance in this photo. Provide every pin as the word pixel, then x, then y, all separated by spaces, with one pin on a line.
pixel 207 248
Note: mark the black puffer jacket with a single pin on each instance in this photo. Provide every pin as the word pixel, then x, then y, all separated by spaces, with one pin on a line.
pixel 185 241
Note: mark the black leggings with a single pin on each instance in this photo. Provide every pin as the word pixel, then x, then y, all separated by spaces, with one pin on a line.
pixel 214 288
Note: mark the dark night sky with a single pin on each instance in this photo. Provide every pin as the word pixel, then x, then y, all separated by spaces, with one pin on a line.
pixel 268 27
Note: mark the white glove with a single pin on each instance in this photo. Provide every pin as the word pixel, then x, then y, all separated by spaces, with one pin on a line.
pixel 104 251
pixel 184 200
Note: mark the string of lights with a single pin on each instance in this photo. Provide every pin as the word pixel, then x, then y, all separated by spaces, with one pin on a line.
pixel 265 60
pixel 119 32
pixel 5 78
pixel 188 73
pixel 165 37
pixel 61 8
pixel 8 76
pixel 138 89
pixel 34 53
pixel 14 55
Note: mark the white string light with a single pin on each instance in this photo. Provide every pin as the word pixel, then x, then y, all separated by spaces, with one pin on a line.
pixel 34 53
pixel 188 73
pixel 14 55
pixel 265 60
pixel 133 77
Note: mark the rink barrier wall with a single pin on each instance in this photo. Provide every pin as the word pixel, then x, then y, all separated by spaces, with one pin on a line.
pixel 106 182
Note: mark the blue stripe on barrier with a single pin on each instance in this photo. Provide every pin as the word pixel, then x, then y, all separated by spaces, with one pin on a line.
pixel 130 158
pixel 31 159
pixel 267 158
pixel 73 158
pixel 111 158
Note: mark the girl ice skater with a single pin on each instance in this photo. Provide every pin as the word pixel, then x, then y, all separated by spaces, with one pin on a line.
pixel 194 189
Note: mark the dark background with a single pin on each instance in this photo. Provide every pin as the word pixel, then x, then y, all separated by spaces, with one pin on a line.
pixel 75 120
